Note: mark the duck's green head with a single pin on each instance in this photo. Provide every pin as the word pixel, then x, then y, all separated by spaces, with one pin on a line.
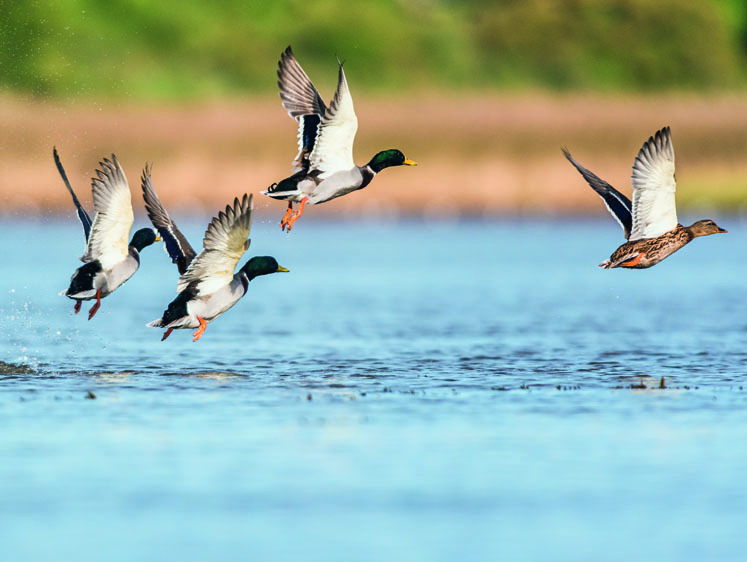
pixel 389 158
pixel 262 265
pixel 143 237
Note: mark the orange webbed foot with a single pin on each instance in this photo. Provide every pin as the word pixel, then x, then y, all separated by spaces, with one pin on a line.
pixel 199 331
pixel 296 215
pixel 167 333
pixel 76 308
pixel 95 307
pixel 287 216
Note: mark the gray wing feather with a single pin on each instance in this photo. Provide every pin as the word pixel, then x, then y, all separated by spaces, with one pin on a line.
pixel 298 94
pixel 302 102
pixel 177 246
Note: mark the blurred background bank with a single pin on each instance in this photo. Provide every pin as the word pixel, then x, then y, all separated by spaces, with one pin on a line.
pixel 481 93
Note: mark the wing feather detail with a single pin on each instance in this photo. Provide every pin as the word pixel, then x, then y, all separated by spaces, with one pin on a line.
pixel 333 151
pixel 303 102
pixel 226 240
pixel 109 237
pixel 85 220
pixel 617 204
pixel 177 246
pixel 654 186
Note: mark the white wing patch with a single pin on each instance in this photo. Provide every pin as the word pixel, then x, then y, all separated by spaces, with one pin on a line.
pixel 333 151
pixel 110 231
pixel 226 240
pixel 654 186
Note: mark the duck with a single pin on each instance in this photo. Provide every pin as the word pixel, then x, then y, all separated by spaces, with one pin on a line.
pixel 109 260
pixel 323 168
pixel 649 223
pixel 207 286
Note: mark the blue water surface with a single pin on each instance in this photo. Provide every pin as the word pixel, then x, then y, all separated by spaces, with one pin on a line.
pixel 410 391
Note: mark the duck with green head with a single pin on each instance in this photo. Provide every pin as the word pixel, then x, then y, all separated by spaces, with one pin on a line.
pixel 109 259
pixel 324 168
pixel 208 286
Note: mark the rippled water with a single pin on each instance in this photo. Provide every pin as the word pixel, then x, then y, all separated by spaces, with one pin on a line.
pixel 413 391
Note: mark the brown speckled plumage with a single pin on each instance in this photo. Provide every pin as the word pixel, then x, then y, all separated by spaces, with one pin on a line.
pixel 649 222
pixel 656 249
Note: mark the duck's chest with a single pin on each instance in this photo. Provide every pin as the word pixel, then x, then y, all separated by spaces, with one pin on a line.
pixel 339 184
pixel 112 278
pixel 213 305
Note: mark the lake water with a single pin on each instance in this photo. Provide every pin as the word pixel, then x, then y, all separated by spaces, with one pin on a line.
pixel 410 391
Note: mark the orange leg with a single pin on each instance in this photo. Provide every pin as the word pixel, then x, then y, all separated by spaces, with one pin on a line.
pixel 167 333
pixel 287 215
pixel 633 261
pixel 199 331
pixel 76 308
pixel 296 214
pixel 95 307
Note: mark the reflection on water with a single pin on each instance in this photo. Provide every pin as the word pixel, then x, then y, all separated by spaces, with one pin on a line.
pixel 409 392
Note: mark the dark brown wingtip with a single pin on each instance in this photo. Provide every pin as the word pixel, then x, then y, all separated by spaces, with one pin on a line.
pixel 285 55
pixel 663 134
pixel 58 163
pixel 146 172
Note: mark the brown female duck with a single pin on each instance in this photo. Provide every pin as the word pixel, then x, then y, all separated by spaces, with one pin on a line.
pixel 650 222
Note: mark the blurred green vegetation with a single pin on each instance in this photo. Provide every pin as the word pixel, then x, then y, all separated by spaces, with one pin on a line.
pixel 176 49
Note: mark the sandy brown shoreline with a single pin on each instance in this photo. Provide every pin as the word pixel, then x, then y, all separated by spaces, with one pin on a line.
pixel 479 156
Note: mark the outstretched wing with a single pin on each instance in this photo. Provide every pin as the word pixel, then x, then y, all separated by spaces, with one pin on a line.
pixel 302 102
pixel 177 246
pixel 226 240
pixel 108 241
pixel 333 151
pixel 654 186
pixel 82 215
pixel 617 204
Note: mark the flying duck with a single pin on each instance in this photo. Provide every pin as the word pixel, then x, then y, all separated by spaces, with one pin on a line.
pixel 650 222
pixel 208 286
pixel 109 260
pixel 324 167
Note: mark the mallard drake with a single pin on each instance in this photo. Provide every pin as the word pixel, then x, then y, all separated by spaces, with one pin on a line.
pixel 109 259
pixel 650 222
pixel 208 286
pixel 324 167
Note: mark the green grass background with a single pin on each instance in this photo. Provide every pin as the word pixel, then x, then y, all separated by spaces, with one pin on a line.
pixel 177 49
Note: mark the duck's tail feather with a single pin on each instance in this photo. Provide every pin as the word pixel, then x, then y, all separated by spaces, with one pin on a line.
pixel 287 188
pixel 80 295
